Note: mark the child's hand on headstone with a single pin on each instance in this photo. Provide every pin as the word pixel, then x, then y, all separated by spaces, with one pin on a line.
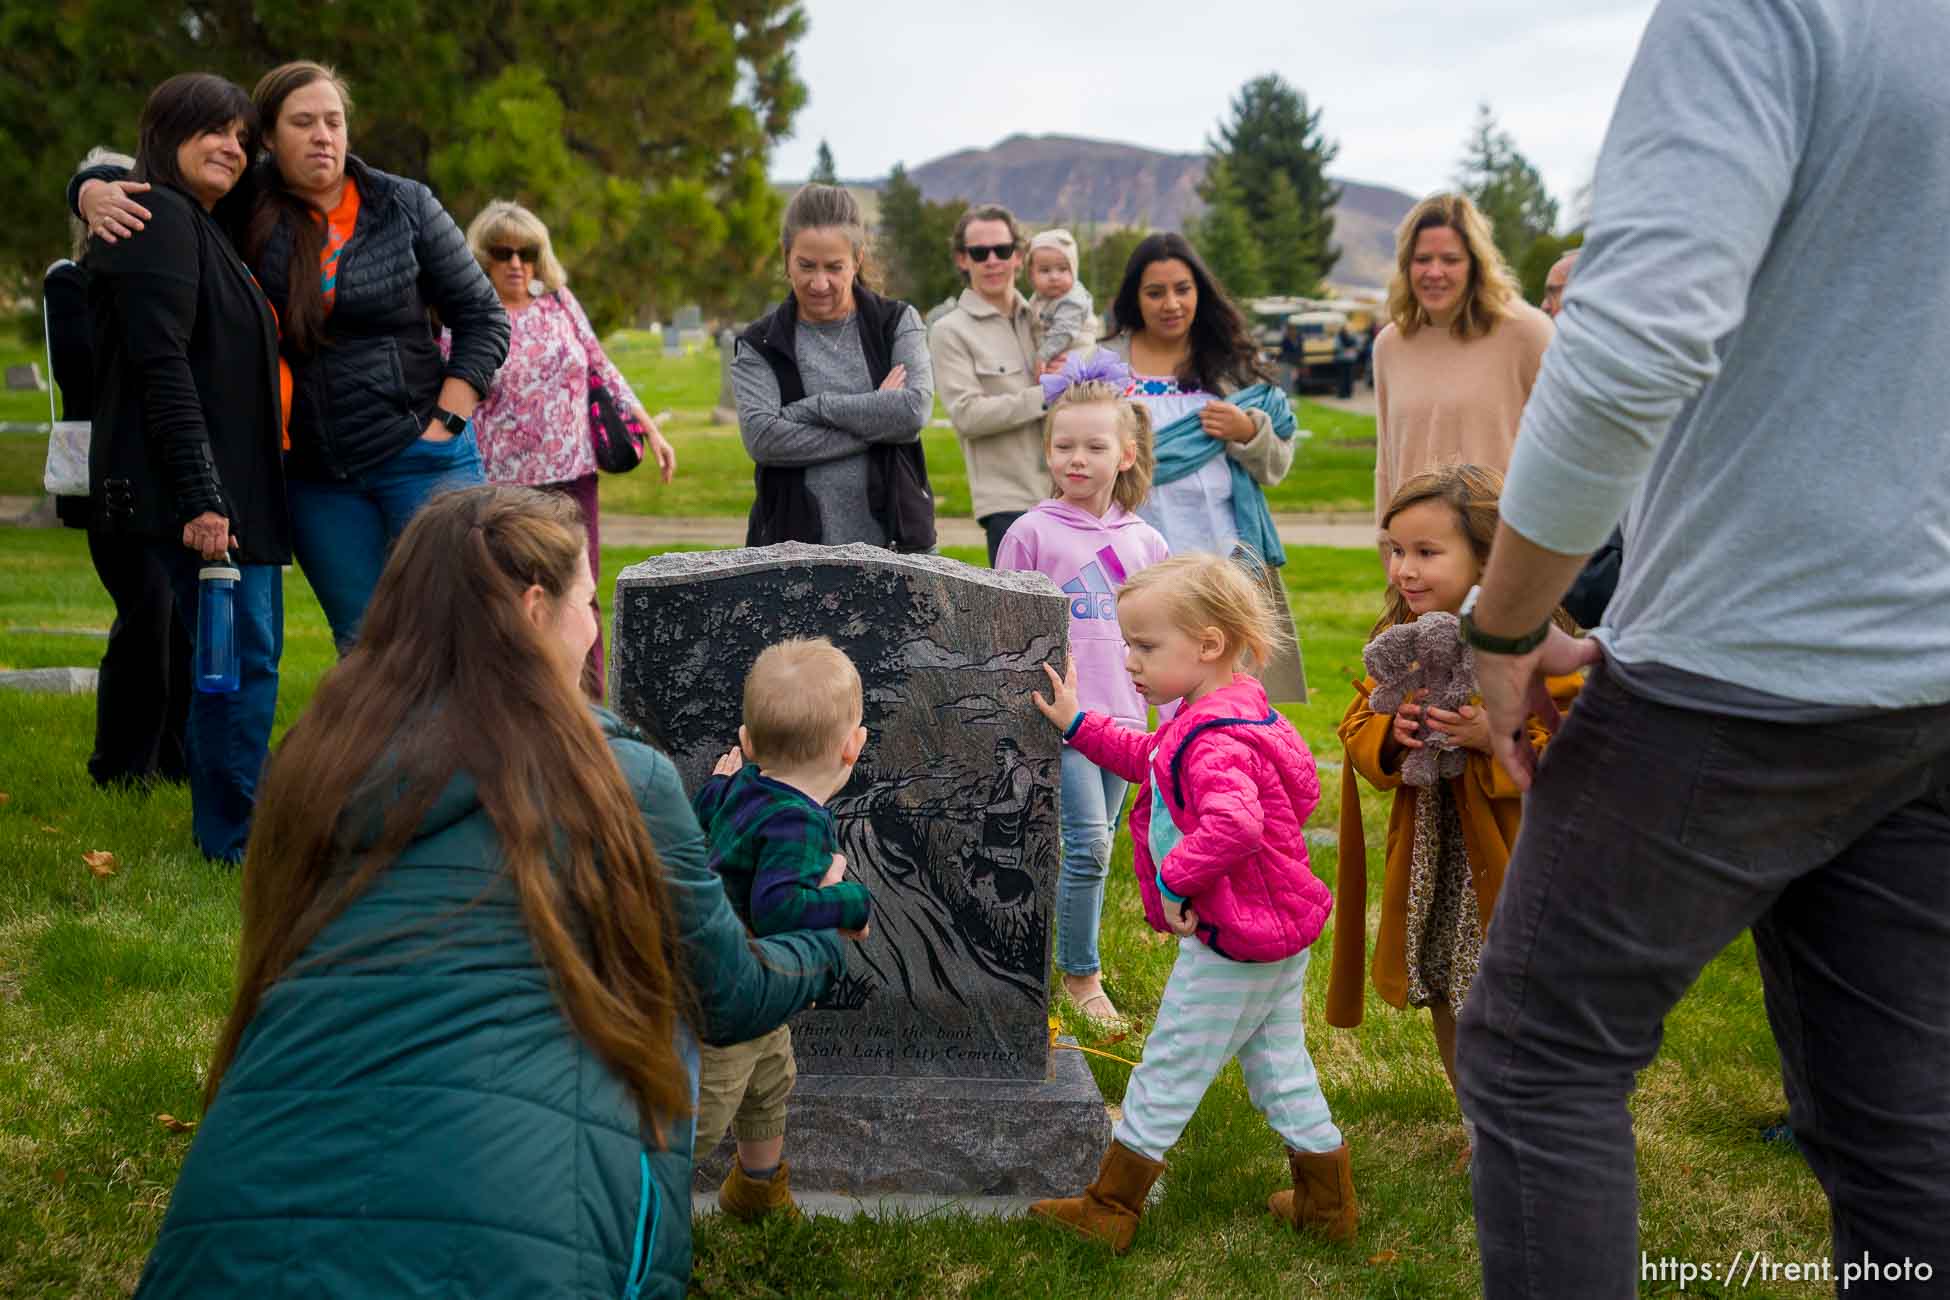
pixel 1181 917
pixel 1061 708
pixel 733 759
pixel 835 873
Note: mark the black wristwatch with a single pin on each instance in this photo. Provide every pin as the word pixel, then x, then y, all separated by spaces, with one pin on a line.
pixel 456 424
pixel 1477 639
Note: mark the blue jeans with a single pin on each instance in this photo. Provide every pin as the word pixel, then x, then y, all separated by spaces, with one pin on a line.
pixel 1653 837
pixel 1093 800
pixel 229 736
pixel 342 530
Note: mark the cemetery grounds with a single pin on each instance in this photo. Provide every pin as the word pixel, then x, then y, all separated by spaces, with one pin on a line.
pixel 115 974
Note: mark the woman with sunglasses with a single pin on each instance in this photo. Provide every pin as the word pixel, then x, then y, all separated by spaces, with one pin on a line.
pixel 985 364
pixel 533 426
pixel 352 259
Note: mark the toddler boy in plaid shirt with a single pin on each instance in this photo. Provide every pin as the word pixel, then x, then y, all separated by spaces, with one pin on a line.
pixel 771 839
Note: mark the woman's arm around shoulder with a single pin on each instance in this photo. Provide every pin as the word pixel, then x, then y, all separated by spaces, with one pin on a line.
pixel 744 986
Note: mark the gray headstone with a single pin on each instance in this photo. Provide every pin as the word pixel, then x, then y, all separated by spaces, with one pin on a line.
pixel 673 340
pixel 26 378
pixel 689 318
pixel 929 1070
pixel 51 681
pixel 950 819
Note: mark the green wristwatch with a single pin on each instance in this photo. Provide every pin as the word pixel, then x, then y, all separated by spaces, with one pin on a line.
pixel 1477 639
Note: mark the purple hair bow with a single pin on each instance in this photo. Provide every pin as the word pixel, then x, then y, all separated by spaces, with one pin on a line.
pixel 1101 365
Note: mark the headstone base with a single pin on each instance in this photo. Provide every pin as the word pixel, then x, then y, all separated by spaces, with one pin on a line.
pixel 978 1140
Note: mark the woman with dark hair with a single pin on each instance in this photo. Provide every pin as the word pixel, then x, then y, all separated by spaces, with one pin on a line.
pixel 352 259
pixel 833 387
pixel 1223 432
pixel 185 450
pixel 480 944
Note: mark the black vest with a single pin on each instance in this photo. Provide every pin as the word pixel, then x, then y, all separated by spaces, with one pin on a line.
pixel 897 473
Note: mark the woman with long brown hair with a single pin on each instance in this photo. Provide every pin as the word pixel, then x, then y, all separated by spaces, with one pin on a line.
pixel 479 944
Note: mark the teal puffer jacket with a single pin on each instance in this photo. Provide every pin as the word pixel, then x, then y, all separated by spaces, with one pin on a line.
pixel 411 1115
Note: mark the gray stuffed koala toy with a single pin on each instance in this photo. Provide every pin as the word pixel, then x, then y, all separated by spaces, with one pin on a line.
pixel 1426 655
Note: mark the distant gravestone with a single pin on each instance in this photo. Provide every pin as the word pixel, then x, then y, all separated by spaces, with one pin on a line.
pixel 51 681
pixel 688 318
pixel 726 410
pixel 673 340
pixel 929 1068
pixel 26 378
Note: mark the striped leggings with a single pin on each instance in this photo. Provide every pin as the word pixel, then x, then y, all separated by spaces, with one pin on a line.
pixel 1214 1010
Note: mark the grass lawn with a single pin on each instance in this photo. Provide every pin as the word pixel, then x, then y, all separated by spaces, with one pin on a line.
pixel 1332 470
pixel 112 989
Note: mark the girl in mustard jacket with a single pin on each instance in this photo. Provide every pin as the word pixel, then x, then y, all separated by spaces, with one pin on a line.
pixel 1448 844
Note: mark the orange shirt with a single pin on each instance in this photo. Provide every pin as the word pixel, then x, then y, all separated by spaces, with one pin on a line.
pixel 339 224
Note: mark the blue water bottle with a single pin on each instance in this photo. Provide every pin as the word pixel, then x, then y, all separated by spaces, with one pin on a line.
pixel 216 629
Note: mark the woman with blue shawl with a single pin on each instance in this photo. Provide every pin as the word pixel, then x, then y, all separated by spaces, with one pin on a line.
pixel 1223 433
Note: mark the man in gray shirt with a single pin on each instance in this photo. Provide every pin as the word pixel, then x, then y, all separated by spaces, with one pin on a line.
pixel 1757 364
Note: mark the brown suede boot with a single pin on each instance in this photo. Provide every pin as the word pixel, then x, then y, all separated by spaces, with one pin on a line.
pixel 744 1197
pixel 1322 1195
pixel 1109 1208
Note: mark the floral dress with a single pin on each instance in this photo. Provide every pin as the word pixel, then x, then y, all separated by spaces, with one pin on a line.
pixel 533 427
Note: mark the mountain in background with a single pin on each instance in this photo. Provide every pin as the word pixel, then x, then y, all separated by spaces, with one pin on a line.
pixel 1051 179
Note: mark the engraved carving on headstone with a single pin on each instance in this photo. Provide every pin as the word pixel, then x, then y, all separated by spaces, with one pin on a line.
pixel 950 818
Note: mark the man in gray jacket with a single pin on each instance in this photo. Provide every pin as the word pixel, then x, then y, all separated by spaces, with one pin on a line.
pixel 1764 740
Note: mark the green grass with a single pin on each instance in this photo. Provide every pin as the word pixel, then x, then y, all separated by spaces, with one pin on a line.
pixel 1332 470
pixel 111 992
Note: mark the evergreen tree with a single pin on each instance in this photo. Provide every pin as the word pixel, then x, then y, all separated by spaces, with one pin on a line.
pixel 653 175
pixel 1508 190
pixel 1104 262
pixel 1225 237
pixel 822 172
pixel 1283 242
pixel 1273 132
pixel 912 243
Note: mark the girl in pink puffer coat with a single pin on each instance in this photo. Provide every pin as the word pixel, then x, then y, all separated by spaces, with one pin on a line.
pixel 1226 787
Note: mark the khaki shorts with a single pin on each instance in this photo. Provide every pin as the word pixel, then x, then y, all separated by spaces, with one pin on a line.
pixel 743 1087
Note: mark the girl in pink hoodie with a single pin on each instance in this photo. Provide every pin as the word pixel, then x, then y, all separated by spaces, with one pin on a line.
pixel 1086 539
pixel 1227 785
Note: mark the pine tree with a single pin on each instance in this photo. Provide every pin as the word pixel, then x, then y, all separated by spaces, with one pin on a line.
pixel 822 172
pixel 1283 242
pixel 1225 237
pixel 1508 190
pixel 912 240
pixel 1273 132
pixel 652 176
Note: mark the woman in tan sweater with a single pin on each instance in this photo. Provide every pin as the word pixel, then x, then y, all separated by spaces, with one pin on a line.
pixel 1454 366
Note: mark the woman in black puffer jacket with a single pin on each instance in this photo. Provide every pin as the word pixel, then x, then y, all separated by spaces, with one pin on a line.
pixel 352 258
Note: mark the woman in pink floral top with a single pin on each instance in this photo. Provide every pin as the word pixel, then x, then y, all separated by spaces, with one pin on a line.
pixel 533 427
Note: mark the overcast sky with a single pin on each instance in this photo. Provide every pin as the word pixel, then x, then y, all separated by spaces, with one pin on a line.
pixel 1398 80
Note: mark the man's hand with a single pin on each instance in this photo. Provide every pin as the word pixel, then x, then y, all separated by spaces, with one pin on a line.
pixel 1513 689
pixel 1061 708
pixel 1181 917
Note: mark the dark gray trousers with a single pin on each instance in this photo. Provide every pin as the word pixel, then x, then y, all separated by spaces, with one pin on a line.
pixel 1653 837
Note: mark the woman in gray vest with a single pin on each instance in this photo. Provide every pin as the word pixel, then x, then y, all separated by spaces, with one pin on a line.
pixel 834 386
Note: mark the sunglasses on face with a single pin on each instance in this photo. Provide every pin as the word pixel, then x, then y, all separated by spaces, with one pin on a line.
pixel 505 252
pixel 982 252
